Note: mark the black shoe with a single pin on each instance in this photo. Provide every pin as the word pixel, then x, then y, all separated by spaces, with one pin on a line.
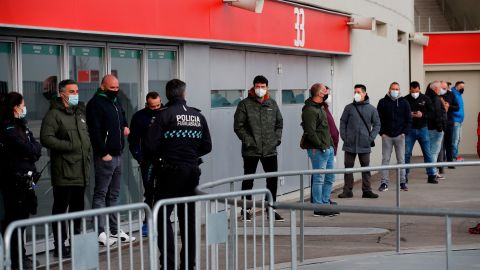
pixel 333 203
pixel 369 195
pixel 403 187
pixel 65 252
pixel 432 179
pixel 324 214
pixel 248 215
pixel 278 217
pixel 383 187
pixel 345 195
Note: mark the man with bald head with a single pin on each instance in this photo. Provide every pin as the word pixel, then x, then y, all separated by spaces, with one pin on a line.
pixel 107 127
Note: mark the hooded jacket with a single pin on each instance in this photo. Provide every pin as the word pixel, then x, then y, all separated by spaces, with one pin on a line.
pixel 316 132
pixel 258 125
pixel 438 118
pixel 459 115
pixel 106 122
pixel 355 136
pixel 64 132
pixel 395 116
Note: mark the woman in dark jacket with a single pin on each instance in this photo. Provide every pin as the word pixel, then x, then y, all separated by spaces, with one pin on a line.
pixel 19 152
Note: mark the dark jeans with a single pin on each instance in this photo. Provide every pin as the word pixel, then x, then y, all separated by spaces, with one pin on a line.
pixel 422 136
pixel 269 164
pixel 107 189
pixel 349 162
pixel 147 171
pixel 178 182
pixel 448 143
pixel 71 198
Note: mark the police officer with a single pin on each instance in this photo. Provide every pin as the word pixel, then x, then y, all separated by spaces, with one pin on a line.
pixel 19 152
pixel 178 137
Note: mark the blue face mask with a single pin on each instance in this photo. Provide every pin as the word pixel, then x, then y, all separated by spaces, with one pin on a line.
pixel 24 113
pixel 73 100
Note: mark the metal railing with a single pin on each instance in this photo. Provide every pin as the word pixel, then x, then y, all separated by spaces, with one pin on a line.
pixel 220 233
pixel 393 211
pixel 84 246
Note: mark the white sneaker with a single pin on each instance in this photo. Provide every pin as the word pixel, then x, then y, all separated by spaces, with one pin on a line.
pixel 124 238
pixel 102 239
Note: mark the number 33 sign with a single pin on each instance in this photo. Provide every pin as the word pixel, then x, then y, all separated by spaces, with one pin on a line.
pixel 299 27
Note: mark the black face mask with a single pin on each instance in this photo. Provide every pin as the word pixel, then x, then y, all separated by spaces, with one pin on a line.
pixel 111 94
pixel 325 97
pixel 461 90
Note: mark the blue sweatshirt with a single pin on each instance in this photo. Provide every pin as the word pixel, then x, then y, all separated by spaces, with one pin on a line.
pixel 459 115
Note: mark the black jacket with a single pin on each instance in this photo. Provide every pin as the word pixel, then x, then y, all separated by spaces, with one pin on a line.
pixel 179 134
pixel 106 122
pixel 395 116
pixel 452 100
pixel 138 133
pixel 437 120
pixel 422 104
pixel 19 150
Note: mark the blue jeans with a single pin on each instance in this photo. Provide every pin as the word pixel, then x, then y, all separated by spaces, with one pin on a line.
pixel 435 145
pixel 457 133
pixel 421 135
pixel 322 183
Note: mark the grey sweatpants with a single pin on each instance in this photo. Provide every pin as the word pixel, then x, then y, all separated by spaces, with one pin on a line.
pixel 388 143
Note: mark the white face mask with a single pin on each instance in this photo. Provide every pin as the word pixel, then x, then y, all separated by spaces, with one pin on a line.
pixel 394 93
pixel 443 91
pixel 260 92
pixel 357 97
pixel 415 95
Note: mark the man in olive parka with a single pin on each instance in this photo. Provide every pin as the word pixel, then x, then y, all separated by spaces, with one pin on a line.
pixel 64 132
pixel 258 123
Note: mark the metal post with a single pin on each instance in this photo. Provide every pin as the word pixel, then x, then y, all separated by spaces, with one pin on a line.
pixel 448 233
pixel 429 24
pixel 398 206
pixel 293 239
pixel 302 220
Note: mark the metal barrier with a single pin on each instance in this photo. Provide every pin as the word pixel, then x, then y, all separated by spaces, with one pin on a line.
pixel 221 234
pixel 398 211
pixel 84 245
pixel 1 252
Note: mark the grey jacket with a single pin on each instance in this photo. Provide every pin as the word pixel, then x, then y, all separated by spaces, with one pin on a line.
pixel 352 129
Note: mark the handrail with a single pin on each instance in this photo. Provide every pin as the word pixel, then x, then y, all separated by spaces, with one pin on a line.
pixel 334 171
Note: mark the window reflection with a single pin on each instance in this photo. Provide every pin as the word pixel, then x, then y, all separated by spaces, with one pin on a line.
pixel 161 69
pixel 6 67
pixel 225 98
pixel 86 66
pixel 293 96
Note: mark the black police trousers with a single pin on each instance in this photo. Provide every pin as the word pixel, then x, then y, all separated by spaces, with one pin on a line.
pixel 172 182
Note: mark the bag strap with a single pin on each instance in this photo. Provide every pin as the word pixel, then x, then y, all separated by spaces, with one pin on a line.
pixel 363 119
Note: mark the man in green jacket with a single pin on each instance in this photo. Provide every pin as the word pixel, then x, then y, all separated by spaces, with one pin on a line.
pixel 258 123
pixel 64 132
pixel 319 145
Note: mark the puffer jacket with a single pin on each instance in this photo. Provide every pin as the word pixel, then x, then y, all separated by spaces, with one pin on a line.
pixel 354 133
pixel 437 120
pixel 316 132
pixel 64 132
pixel 258 125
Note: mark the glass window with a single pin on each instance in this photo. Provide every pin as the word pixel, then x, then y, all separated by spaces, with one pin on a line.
pixel 162 67
pixel 41 69
pixel 6 67
pixel 225 98
pixel 273 93
pixel 296 96
pixel 126 66
pixel 86 67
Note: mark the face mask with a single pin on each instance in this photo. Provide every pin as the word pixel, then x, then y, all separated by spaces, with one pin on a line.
pixel 111 94
pixel 415 95
pixel 73 100
pixel 260 92
pixel 461 90
pixel 394 93
pixel 357 97
pixel 327 99
pixel 443 91
pixel 24 113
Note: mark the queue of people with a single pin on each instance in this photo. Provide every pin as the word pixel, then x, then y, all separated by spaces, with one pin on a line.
pixel 169 140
